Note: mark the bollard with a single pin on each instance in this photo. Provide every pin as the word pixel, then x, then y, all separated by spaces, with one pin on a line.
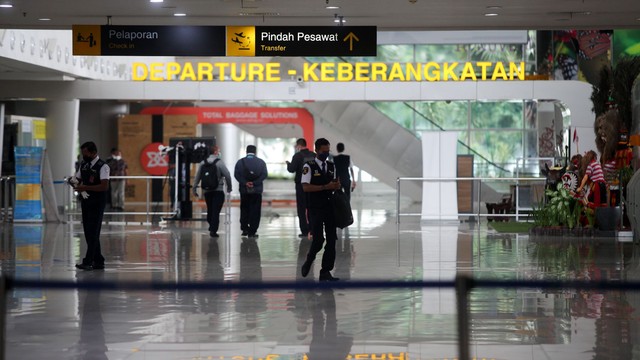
pixel 463 286
pixel 3 316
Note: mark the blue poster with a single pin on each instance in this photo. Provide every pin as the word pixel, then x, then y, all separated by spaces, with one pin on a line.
pixel 28 206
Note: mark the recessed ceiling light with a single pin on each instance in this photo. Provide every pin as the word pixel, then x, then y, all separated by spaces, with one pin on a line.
pixel 490 14
pixel 179 14
pixel 259 14
pixel 156 1
pixel 44 19
pixel 339 21
pixel 6 6
pixel 332 7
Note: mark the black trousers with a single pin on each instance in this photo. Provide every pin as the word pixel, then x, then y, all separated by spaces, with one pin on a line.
pixel 214 201
pixel 346 188
pixel 301 204
pixel 323 219
pixel 92 212
pixel 250 212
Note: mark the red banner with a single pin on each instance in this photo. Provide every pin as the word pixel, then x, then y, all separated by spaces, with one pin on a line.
pixel 244 115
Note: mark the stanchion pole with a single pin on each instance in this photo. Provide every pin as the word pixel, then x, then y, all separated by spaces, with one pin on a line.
pixel 398 222
pixel 3 316
pixel 463 285
pixel 148 201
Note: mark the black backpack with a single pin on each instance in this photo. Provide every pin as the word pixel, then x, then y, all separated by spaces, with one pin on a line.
pixel 209 176
pixel 249 174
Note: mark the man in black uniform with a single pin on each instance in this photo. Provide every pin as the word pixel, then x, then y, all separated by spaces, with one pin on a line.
pixel 93 185
pixel 318 182
pixel 301 156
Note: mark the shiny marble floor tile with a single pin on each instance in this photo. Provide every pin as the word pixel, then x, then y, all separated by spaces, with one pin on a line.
pixel 292 324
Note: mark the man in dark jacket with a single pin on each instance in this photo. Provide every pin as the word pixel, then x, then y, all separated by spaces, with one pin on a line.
pixel 301 156
pixel 250 171
pixel 344 171
pixel 214 197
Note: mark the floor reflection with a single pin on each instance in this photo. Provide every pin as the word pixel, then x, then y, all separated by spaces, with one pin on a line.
pixel 297 324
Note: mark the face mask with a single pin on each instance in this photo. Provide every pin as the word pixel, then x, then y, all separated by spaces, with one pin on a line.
pixel 87 158
pixel 210 159
pixel 118 157
pixel 323 156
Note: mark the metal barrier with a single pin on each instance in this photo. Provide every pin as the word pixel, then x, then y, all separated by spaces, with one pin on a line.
pixel 7 197
pixel 462 284
pixel 73 210
pixel 478 214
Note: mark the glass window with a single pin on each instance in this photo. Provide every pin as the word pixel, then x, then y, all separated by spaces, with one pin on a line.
pixel 495 52
pixel 500 147
pixel 395 53
pixel 397 111
pixel 441 53
pixel 448 115
pixel 497 115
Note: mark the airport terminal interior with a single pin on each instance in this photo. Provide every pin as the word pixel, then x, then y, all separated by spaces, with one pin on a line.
pixel 468 126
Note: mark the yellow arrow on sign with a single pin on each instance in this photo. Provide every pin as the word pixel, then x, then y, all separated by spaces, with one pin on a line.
pixel 351 36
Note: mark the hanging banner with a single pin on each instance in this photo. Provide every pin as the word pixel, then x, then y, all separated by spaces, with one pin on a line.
pixel 28 205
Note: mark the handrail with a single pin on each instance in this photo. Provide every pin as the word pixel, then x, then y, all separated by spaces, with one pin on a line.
pixel 462 284
pixel 147 212
pixel 517 181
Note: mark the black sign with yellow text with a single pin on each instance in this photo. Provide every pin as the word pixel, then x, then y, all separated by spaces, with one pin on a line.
pixel 111 40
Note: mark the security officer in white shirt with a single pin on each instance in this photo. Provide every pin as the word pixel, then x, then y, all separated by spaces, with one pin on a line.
pixel 319 181
pixel 92 179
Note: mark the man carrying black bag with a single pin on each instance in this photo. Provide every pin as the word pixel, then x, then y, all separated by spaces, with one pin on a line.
pixel 319 181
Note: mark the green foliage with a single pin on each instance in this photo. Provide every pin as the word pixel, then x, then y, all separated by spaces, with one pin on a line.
pixel 601 92
pixel 625 174
pixel 625 74
pixel 560 209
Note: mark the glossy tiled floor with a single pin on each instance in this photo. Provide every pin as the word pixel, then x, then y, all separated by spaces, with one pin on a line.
pixel 323 324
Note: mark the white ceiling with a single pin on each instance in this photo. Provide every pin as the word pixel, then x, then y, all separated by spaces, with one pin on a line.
pixel 385 14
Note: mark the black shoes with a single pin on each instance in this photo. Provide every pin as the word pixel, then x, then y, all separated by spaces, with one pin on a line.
pixel 326 276
pixel 245 233
pixel 214 235
pixel 302 235
pixel 253 235
pixel 306 267
pixel 90 267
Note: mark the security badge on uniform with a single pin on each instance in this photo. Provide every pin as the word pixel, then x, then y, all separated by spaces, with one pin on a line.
pixel 305 170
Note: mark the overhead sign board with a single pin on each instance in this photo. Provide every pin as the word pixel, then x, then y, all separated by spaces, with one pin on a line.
pixel 250 41
pixel 148 40
pixel 301 40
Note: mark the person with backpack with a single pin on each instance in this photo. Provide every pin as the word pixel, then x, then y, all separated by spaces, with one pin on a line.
pixel 212 176
pixel 250 171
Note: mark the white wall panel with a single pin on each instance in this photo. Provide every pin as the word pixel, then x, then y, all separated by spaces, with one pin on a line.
pixel 445 90
pixel 287 90
pixel 392 91
pixel 337 91
pixel 232 91
pixel 181 91
pixel 504 90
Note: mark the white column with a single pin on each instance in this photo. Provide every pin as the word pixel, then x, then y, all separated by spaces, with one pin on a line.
pixel 439 160
pixel 62 138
